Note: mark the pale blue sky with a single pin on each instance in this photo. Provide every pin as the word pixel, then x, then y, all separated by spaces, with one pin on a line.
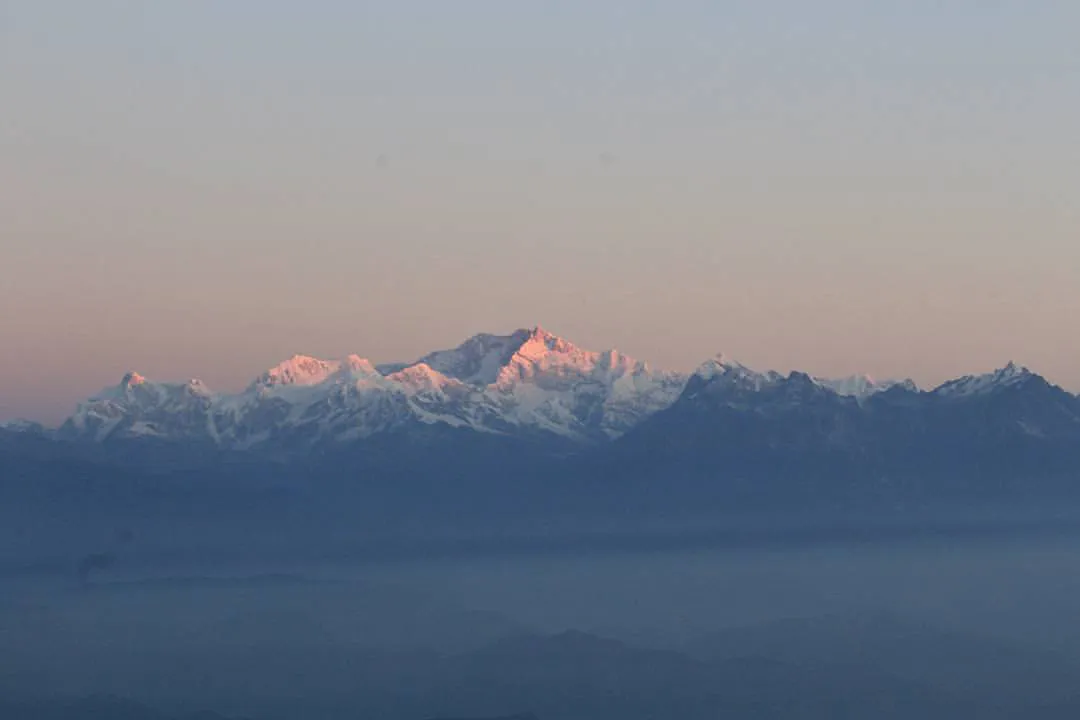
pixel 203 188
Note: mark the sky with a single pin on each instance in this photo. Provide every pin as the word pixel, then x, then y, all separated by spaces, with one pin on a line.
pixel 202 189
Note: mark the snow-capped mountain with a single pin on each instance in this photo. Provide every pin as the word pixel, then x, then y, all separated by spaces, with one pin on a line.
pixel 138 407
pixel 856 386
pixel 480 359
pixel 527 430
pixel 731 420
pixel 723 376
pixel 723 387
pixel 1009 402
pixel 721 371
pixel 863 386
pixel 528 382
pixel 536 379
pixel 533 385
pixel 1011 375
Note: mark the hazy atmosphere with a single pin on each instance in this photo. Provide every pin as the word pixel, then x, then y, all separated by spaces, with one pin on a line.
pixel 201 189
pixel 609 360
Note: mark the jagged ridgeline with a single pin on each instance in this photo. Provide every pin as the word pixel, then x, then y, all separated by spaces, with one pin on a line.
pixel 529 383
pixel 507 404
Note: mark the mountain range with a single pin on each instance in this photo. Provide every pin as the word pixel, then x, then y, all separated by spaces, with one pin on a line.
pixel 536 406
pixel 529 383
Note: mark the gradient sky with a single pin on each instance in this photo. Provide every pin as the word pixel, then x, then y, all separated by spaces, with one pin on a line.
pixel 201 189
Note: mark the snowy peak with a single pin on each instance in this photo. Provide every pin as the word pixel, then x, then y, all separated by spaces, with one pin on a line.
pixel 539 343
pixel 535 381
pixel 304 371
pixel 863 386
pixel 197 387
pixel 551 384
pixel 1009 376
pixel 542 353
pixel 1012 374
pixel 529 383
pixel 141 407
pixel 133 387
pixel 723 371
pixel 724 376
pixel 298 370
pixel 421 377
pixel 354 367
pixel 478 360
pixel 132 379
pixel 613 360
pixel 719 365
pixel 485 359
